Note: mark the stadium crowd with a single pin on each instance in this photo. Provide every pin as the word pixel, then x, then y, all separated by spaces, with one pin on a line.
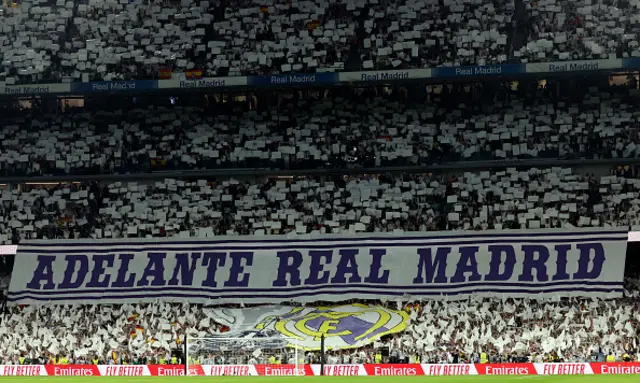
pixel 94 40
pixel 364 128
pixel 98 40
pixel 510 199
pixel 572 30
pixel 524 330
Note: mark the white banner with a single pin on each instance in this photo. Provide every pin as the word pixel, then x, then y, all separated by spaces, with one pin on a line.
pixel 327 268
pixel 384 75
pixel 34 89
pixel 574 66
pixel 345 326
pixel 205 82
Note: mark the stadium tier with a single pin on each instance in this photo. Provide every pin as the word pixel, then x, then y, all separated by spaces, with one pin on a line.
pixel 333 131
pixel 510 199
pixel 434 332
pixel 48 41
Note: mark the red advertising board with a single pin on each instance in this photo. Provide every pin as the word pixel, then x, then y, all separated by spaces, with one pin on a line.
pixel 616 368
pixel 72 370
pixel 329 370
pixel 506 369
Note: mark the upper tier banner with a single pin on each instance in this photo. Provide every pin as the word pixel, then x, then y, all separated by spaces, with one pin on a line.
pixel 328 79
pixel 455 265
